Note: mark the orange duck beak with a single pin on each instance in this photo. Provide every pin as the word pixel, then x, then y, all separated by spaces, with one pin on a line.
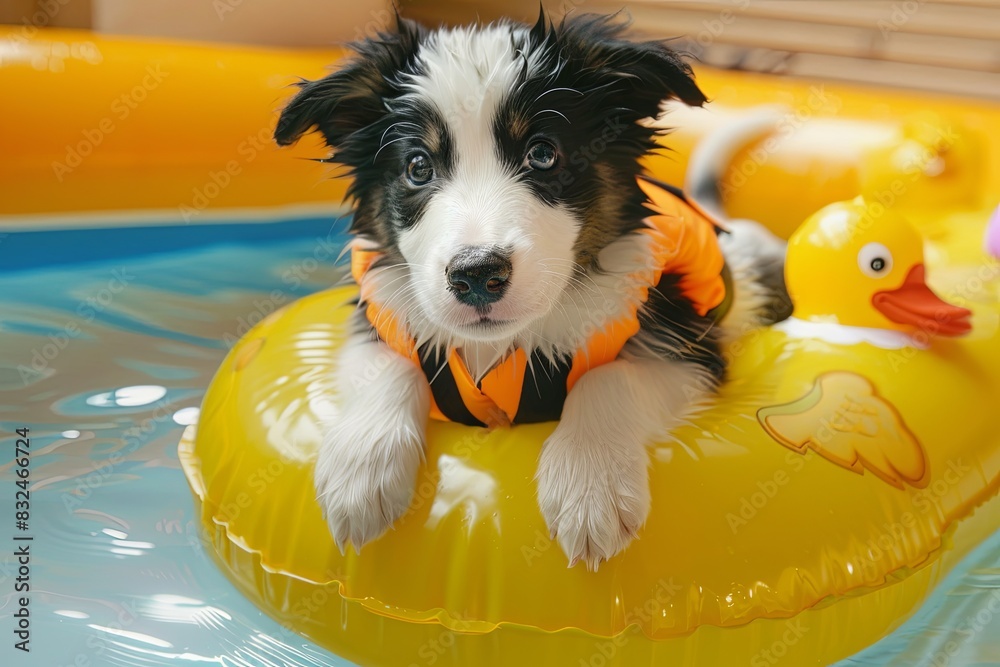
pixel 914 304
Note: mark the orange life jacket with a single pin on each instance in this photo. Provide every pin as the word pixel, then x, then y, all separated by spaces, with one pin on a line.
pixel 685 245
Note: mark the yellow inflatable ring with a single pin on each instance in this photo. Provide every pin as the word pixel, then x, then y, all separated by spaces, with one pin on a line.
pixel 753 551
pixel 822 558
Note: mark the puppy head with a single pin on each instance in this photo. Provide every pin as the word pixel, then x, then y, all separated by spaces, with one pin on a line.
pixel 496 161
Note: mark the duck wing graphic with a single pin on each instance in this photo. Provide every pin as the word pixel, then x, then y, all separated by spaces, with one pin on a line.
pixel 846 421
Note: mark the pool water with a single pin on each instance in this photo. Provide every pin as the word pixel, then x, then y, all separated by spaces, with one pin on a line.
pixel 105 353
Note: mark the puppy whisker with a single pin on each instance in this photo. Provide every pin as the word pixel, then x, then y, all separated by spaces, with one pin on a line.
pixel 386 145
pixel 401 123
pixel 556 90
pixel 553 111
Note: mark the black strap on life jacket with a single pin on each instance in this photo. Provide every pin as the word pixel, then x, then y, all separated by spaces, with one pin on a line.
pixel 543 392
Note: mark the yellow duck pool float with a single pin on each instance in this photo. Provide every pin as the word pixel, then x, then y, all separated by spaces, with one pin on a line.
pixel 800 518
pixel 804 513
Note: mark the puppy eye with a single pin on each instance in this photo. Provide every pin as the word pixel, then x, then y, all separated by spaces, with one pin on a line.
pixel 419 170
pixel 875 260
pixel 541 156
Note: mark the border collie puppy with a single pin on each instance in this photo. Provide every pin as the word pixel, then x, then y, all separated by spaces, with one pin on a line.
pixel 507 274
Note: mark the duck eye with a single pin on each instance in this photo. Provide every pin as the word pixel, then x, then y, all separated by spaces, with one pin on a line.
pixel 875 260
pixel 541 156
pixel 419 170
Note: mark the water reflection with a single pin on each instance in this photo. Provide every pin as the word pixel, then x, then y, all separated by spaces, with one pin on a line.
pixel 128 397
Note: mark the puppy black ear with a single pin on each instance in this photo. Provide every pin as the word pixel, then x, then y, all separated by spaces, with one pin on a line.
pixel 352 97
pixel 658 73
pixel 648 73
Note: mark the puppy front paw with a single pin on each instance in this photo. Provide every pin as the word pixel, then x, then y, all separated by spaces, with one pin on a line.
pixel 594 496
pixel 364 480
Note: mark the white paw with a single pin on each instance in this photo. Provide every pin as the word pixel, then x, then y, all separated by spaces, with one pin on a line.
pixel 594 495
pixel 365 478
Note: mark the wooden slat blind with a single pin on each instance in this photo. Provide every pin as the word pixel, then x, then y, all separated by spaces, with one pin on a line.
pixel 948 46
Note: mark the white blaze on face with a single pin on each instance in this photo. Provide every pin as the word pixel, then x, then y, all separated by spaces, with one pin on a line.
pixel 467 76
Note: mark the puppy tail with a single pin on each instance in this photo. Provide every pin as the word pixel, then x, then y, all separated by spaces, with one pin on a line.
pixel 711 157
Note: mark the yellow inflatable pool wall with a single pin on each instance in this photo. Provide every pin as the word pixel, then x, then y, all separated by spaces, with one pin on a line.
pixel 106 124
pixel 760 546
pixel 110 124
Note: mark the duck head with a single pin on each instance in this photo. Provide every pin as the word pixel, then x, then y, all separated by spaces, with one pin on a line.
pixel 932 162
pixel 849 266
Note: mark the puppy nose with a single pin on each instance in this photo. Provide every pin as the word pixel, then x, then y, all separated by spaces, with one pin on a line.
pixel 478 275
